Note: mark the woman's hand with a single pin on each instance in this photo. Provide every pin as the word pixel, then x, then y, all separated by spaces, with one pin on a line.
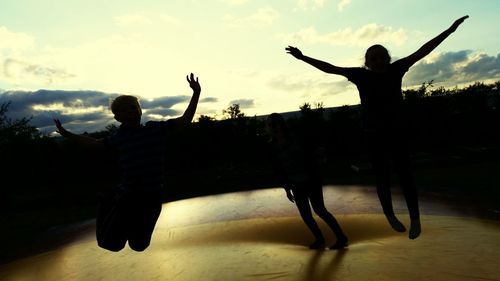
pixel 457 23
pixel 294 52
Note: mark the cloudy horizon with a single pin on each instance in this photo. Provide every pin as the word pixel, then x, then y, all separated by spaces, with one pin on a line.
pixel 50 57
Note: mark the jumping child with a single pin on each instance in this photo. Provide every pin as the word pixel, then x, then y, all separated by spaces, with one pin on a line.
pixel 384 119
pixel 299 175
pixel 131 212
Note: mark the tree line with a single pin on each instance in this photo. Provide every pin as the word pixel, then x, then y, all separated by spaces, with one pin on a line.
pixel 235 148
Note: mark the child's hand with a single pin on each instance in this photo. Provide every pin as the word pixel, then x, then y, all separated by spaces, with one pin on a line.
pixel 60 128
pixel 294 52
pixel 194 84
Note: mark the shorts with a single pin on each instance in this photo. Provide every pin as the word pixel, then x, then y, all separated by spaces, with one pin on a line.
pixel 127 216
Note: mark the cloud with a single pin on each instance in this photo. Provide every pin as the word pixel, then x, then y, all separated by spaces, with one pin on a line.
pixel 209 100
pixel 319 84
pixel 161 108
pixel 263 17
pixel 483 66
pixel 132 20
pixel 161 113
pixel 244 103
pixel 447 69
pixel 342 4
pixel 234 2
pixel 145 19
pixel 318 4
pixel 14 70
pixel 163 102
pixel 15 41
pixel 310 4
pixel 364 36
pixel 454 68
pixel 78 110
pixel 72 107
pixel 170 19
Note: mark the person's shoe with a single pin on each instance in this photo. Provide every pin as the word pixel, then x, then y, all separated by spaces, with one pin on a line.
pixel 318 244
pixel 415 229
pixel 396 224
pixel 340 244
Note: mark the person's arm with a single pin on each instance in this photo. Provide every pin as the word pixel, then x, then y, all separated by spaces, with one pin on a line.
pixel 321 65
pixel 278 171
pixel 188 115
pixel 289 194
pixel 80 139
pixel 433 43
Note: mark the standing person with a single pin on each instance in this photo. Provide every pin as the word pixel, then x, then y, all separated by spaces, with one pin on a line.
pixel 384 120
pixel 298 172
pixel 131 212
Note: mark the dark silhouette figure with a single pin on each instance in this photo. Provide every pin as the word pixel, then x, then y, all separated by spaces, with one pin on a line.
pixel 130 212
pixel 384 119
pixel 299 174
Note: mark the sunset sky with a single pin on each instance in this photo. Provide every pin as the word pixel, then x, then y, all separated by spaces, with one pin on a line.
pixel 84 53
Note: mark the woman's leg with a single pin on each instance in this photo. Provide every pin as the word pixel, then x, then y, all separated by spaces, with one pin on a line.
pixel 318 204
pixel 403 169
pixel 402 163
pixel 381 162
pixel 302 202
pixel 382 168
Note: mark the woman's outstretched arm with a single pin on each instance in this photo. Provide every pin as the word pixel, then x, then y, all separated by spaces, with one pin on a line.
pixel 433 43
pixel 321 65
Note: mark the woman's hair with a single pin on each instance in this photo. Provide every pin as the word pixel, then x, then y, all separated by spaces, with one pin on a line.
pixel 276 121
pixel 374 48
pixel 120 101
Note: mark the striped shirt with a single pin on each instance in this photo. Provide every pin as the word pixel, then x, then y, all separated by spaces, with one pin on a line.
pixel 141 154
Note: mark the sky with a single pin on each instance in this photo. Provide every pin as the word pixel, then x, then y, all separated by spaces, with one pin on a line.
pixel 68 59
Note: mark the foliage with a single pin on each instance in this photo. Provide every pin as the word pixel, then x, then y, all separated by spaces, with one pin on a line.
pixel 15 130
pixel 421 92
pixel 205 119
pixel 233 112
pixel 210 152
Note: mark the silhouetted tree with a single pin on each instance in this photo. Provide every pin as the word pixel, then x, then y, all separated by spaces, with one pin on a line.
pixel 233 112
pixel 307 110
pixel 421 92
pixel 15 130
pixel 205 119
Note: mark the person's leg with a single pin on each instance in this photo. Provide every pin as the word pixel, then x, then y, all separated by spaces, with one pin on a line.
pixel 143 217
pixel 382 169
pixel 318 204
pixel 302 202
pixel 110 223
pixel 402 163
pixel 380 158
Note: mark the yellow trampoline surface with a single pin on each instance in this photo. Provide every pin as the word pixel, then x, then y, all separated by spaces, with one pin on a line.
pixel 258 235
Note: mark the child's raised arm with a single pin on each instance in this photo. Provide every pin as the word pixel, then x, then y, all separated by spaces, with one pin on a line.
pixel 83 140
pixel 321 65
pixel 188 115
pixel 433 43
